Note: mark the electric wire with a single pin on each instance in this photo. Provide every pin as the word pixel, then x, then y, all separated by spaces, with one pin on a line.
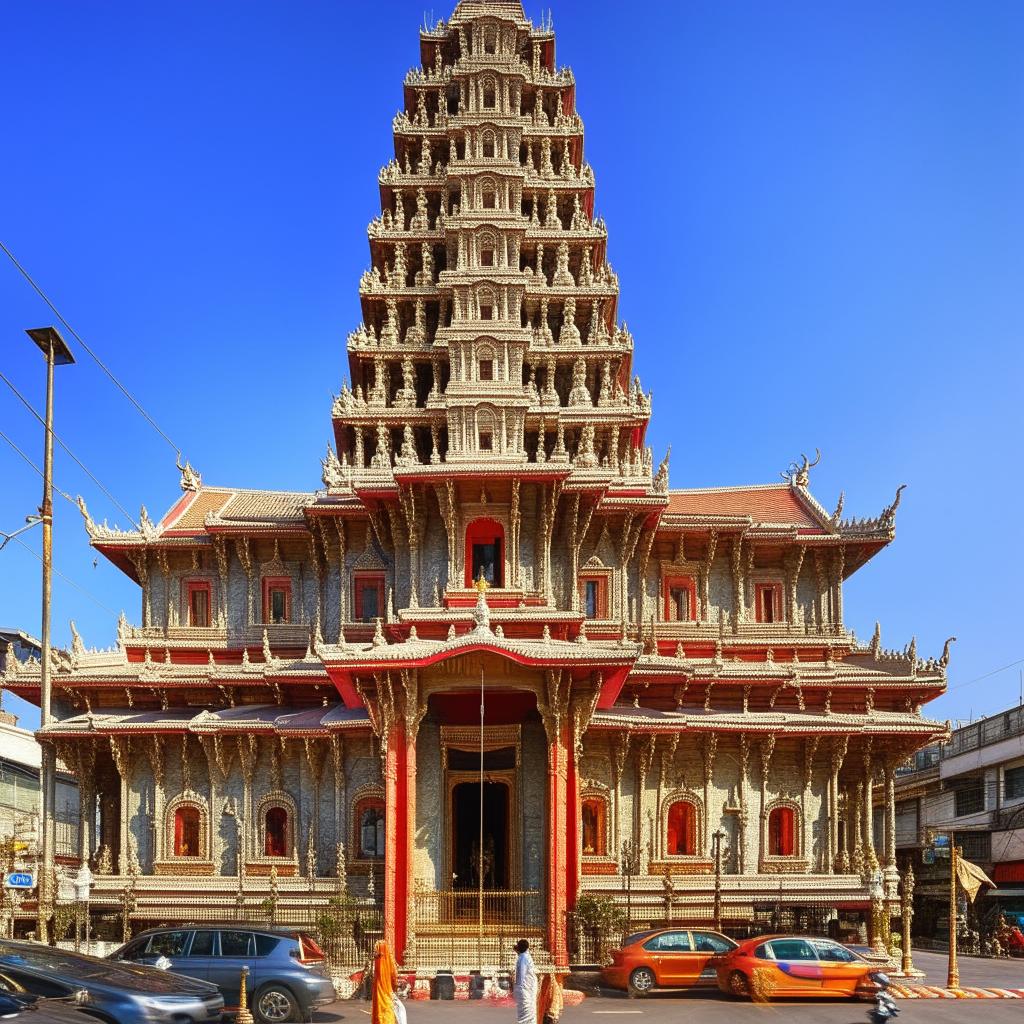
pixel 67 579
pixel 28 405
pixel 63 494
pixel 99 362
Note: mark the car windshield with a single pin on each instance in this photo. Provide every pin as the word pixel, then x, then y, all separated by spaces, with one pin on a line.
pixel 83 968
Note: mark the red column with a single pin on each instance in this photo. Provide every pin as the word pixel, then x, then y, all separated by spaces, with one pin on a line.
pixel 572 828
pixel 396 847
pixel 559 754
pixel 409 940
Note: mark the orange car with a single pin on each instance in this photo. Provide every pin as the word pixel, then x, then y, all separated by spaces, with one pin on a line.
pixel 668 958
pixel 794 965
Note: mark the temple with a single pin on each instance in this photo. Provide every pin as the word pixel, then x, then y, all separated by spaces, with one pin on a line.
pixel 497 650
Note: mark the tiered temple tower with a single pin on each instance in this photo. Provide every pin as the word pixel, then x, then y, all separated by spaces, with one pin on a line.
pixel 662 670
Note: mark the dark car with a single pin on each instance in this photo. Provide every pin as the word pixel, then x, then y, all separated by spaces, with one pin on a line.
pixel 18 1005
pixel 287 973
pixel 115 993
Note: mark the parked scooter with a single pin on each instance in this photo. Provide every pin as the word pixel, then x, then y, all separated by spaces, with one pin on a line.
pixel 885 1008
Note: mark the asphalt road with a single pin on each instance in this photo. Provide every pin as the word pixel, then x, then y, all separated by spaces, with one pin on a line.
pixel 710 1007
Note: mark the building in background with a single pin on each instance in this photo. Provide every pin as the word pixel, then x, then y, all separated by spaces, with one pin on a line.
pixel 666 673
pixel 15 643
pixel 973 785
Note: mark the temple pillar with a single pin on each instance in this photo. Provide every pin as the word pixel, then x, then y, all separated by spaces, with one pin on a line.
pixel 120 749
pixel 216 849
pixel 890 815
pixel 870 857
pixel 559 757
pixel 396 845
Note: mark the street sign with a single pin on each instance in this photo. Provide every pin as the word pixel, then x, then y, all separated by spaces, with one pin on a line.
pixel 20 880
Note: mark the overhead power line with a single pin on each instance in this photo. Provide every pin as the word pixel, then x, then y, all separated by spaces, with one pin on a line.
pixel 85 469
pixel 63 494
pixel 67 579
pixel 99 362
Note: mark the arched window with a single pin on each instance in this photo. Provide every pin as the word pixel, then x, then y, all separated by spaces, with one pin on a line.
pixel 276 843
pixel 681 838
pixel 594 818
pixel 186 831
pixel 485 544
pixel 487 250
pixel 370 828
pixel 781 832
pixel 489 94
pixel 489 144
pixel 490 39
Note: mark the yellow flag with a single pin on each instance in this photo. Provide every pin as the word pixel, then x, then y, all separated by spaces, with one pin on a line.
pixel 972 878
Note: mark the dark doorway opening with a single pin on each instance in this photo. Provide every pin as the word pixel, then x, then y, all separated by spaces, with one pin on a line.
pixel 466 835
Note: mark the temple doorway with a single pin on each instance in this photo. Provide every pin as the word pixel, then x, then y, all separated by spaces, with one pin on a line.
pixel 466 860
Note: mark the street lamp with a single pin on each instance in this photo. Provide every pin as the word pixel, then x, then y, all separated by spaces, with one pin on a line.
pixel 717 837
pixel 57 353
pixel 30 521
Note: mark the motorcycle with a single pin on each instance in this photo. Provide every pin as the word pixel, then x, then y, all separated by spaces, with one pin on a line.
pixel 885 1008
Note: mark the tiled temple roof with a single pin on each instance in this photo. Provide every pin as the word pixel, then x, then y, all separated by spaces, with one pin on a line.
pixel 775 504
pixel 283 721
pixel 653 719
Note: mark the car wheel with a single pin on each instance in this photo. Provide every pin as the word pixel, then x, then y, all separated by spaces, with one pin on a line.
pixel 738 985
pixel 274 1004
pixel 641 981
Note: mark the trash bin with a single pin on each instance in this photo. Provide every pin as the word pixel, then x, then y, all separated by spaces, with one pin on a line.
pixel 443 986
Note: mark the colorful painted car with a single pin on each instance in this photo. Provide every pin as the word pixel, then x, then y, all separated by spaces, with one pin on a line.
pixel 795 965
pixel 667 958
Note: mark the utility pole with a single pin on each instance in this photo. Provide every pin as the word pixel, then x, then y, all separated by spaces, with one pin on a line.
pixel 57 353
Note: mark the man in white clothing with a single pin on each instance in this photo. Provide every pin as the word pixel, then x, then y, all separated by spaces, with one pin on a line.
pixel 525 985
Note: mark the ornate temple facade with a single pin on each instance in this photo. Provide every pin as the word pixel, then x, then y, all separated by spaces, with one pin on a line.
pixel 496 643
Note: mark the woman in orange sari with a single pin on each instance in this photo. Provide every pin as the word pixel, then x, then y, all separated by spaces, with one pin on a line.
pixel 385 984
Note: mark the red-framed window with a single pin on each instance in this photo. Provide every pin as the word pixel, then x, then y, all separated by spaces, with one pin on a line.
pixel 594 596
pixel 485 552
pixel 277 599
pixel 276 843
pixel 681 837
pixel 369 821
pixel 781 832
pixel 594 818
pixel 198 602
pixel 186 831
pixel 369 596
pixel 768 602
pixel 680 599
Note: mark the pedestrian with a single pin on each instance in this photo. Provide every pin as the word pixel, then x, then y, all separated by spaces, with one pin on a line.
pixel 525 985
pixel 385 1006
pixel 549 1005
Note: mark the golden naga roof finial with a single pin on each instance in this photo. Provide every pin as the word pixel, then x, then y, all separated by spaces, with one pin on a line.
pixel 481 585
pixel 800 476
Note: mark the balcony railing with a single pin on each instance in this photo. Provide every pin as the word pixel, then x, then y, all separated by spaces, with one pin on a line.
pixel 988 730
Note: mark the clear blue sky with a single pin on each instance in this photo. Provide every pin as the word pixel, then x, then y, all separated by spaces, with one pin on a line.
pixel 815 213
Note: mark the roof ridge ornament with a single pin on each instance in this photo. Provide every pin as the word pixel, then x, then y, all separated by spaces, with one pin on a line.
pixel 481 613
pixel 800 476
pixel 190 479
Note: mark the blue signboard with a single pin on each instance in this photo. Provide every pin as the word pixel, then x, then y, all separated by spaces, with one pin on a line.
pixel 20 880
